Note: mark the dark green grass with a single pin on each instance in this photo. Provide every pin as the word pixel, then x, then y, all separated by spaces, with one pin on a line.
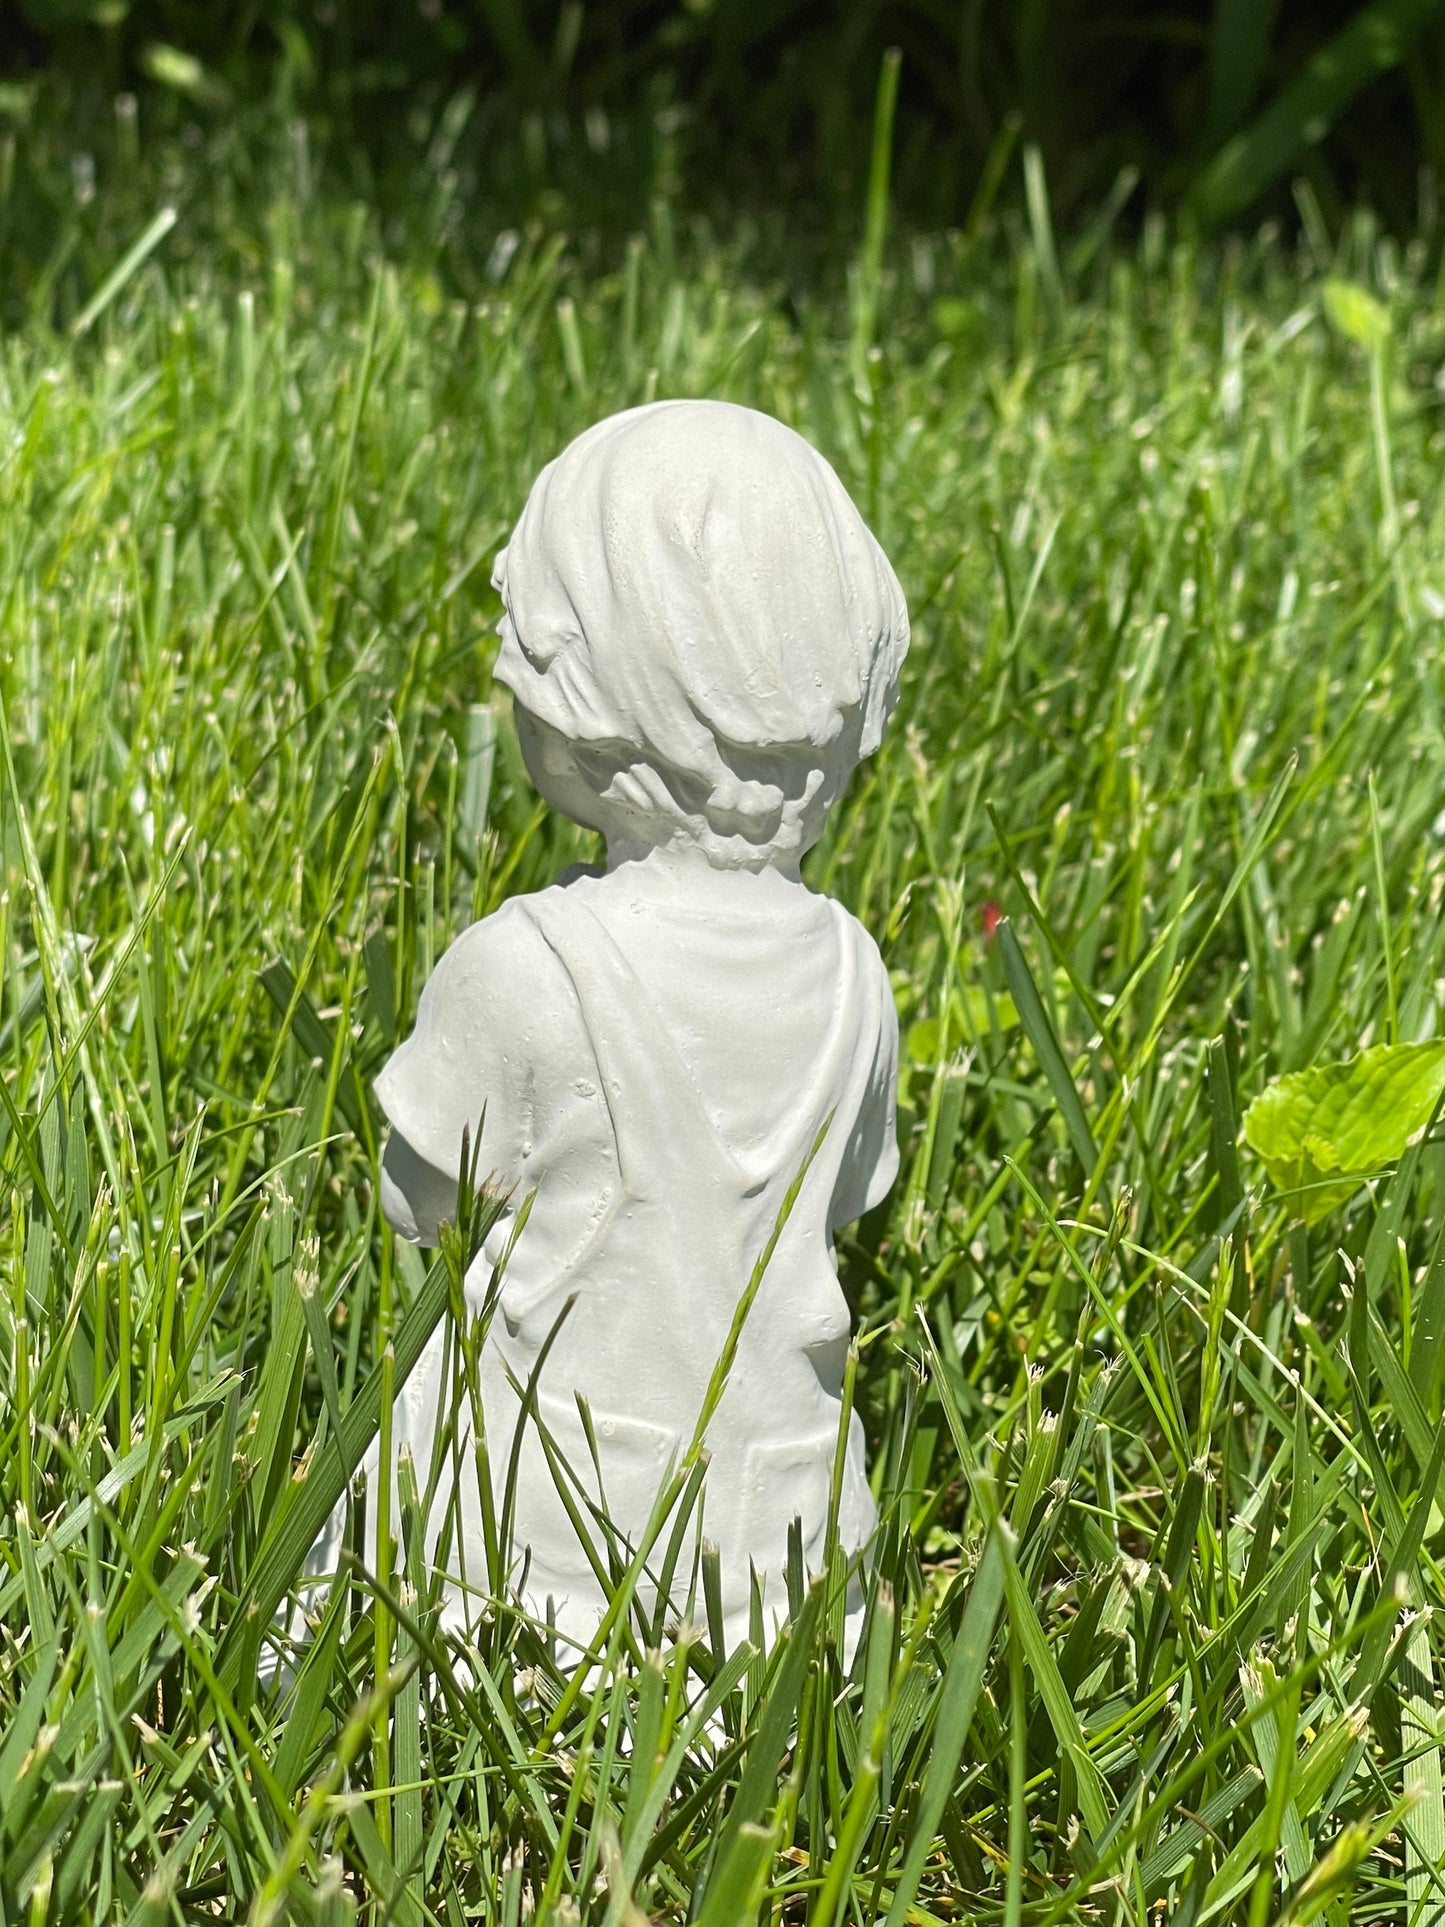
pixel 1150 1628
pixel 1210 103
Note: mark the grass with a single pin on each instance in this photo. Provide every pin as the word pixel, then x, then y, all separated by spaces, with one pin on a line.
pixel 1150 1629
pixel 1209 103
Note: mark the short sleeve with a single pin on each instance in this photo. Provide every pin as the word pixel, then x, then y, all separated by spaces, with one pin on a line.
pixel 870 1162
pixel 468 1066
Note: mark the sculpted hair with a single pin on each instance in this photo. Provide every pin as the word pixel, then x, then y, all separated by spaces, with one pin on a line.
pixel 693 602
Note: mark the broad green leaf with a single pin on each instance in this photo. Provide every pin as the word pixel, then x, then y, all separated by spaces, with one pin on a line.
pixel 1357 314
pixel 976 1013
pixel 1321 1132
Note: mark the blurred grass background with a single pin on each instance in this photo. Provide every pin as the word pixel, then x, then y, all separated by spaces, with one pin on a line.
pixel 1215 106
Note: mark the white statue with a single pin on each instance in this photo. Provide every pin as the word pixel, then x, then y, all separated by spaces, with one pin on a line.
pixel 702 640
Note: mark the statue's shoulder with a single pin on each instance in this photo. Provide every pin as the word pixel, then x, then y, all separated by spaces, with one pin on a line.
pixel 491 1026
pixel 498 968
pixel 857 937
pixel 512 930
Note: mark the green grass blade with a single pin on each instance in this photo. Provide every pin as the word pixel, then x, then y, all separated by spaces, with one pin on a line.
pixel 958 1697
pixel 1041 1034
pixel 1376 39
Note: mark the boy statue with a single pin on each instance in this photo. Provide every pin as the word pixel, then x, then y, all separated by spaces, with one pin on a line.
pixel 702 640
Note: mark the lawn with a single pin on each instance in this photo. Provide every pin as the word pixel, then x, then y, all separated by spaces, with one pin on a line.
pixel 1149 1628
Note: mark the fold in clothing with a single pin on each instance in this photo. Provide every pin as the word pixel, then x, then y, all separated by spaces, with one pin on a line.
pixel 650 1218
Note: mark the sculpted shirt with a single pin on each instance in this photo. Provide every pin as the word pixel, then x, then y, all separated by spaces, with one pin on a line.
pixel 657 1055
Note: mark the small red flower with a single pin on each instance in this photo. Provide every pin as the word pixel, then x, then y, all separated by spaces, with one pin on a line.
pixel 990 916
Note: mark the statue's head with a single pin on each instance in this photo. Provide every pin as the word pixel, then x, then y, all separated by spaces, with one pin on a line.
pixel 701 635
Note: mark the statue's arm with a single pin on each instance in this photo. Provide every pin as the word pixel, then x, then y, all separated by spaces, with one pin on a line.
pixel 458 1073
pixel 870 1161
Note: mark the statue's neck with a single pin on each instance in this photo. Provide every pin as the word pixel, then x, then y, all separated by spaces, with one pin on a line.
pixel 684 868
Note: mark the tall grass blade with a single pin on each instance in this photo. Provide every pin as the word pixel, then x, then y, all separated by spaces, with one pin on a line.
pixel 1375 40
